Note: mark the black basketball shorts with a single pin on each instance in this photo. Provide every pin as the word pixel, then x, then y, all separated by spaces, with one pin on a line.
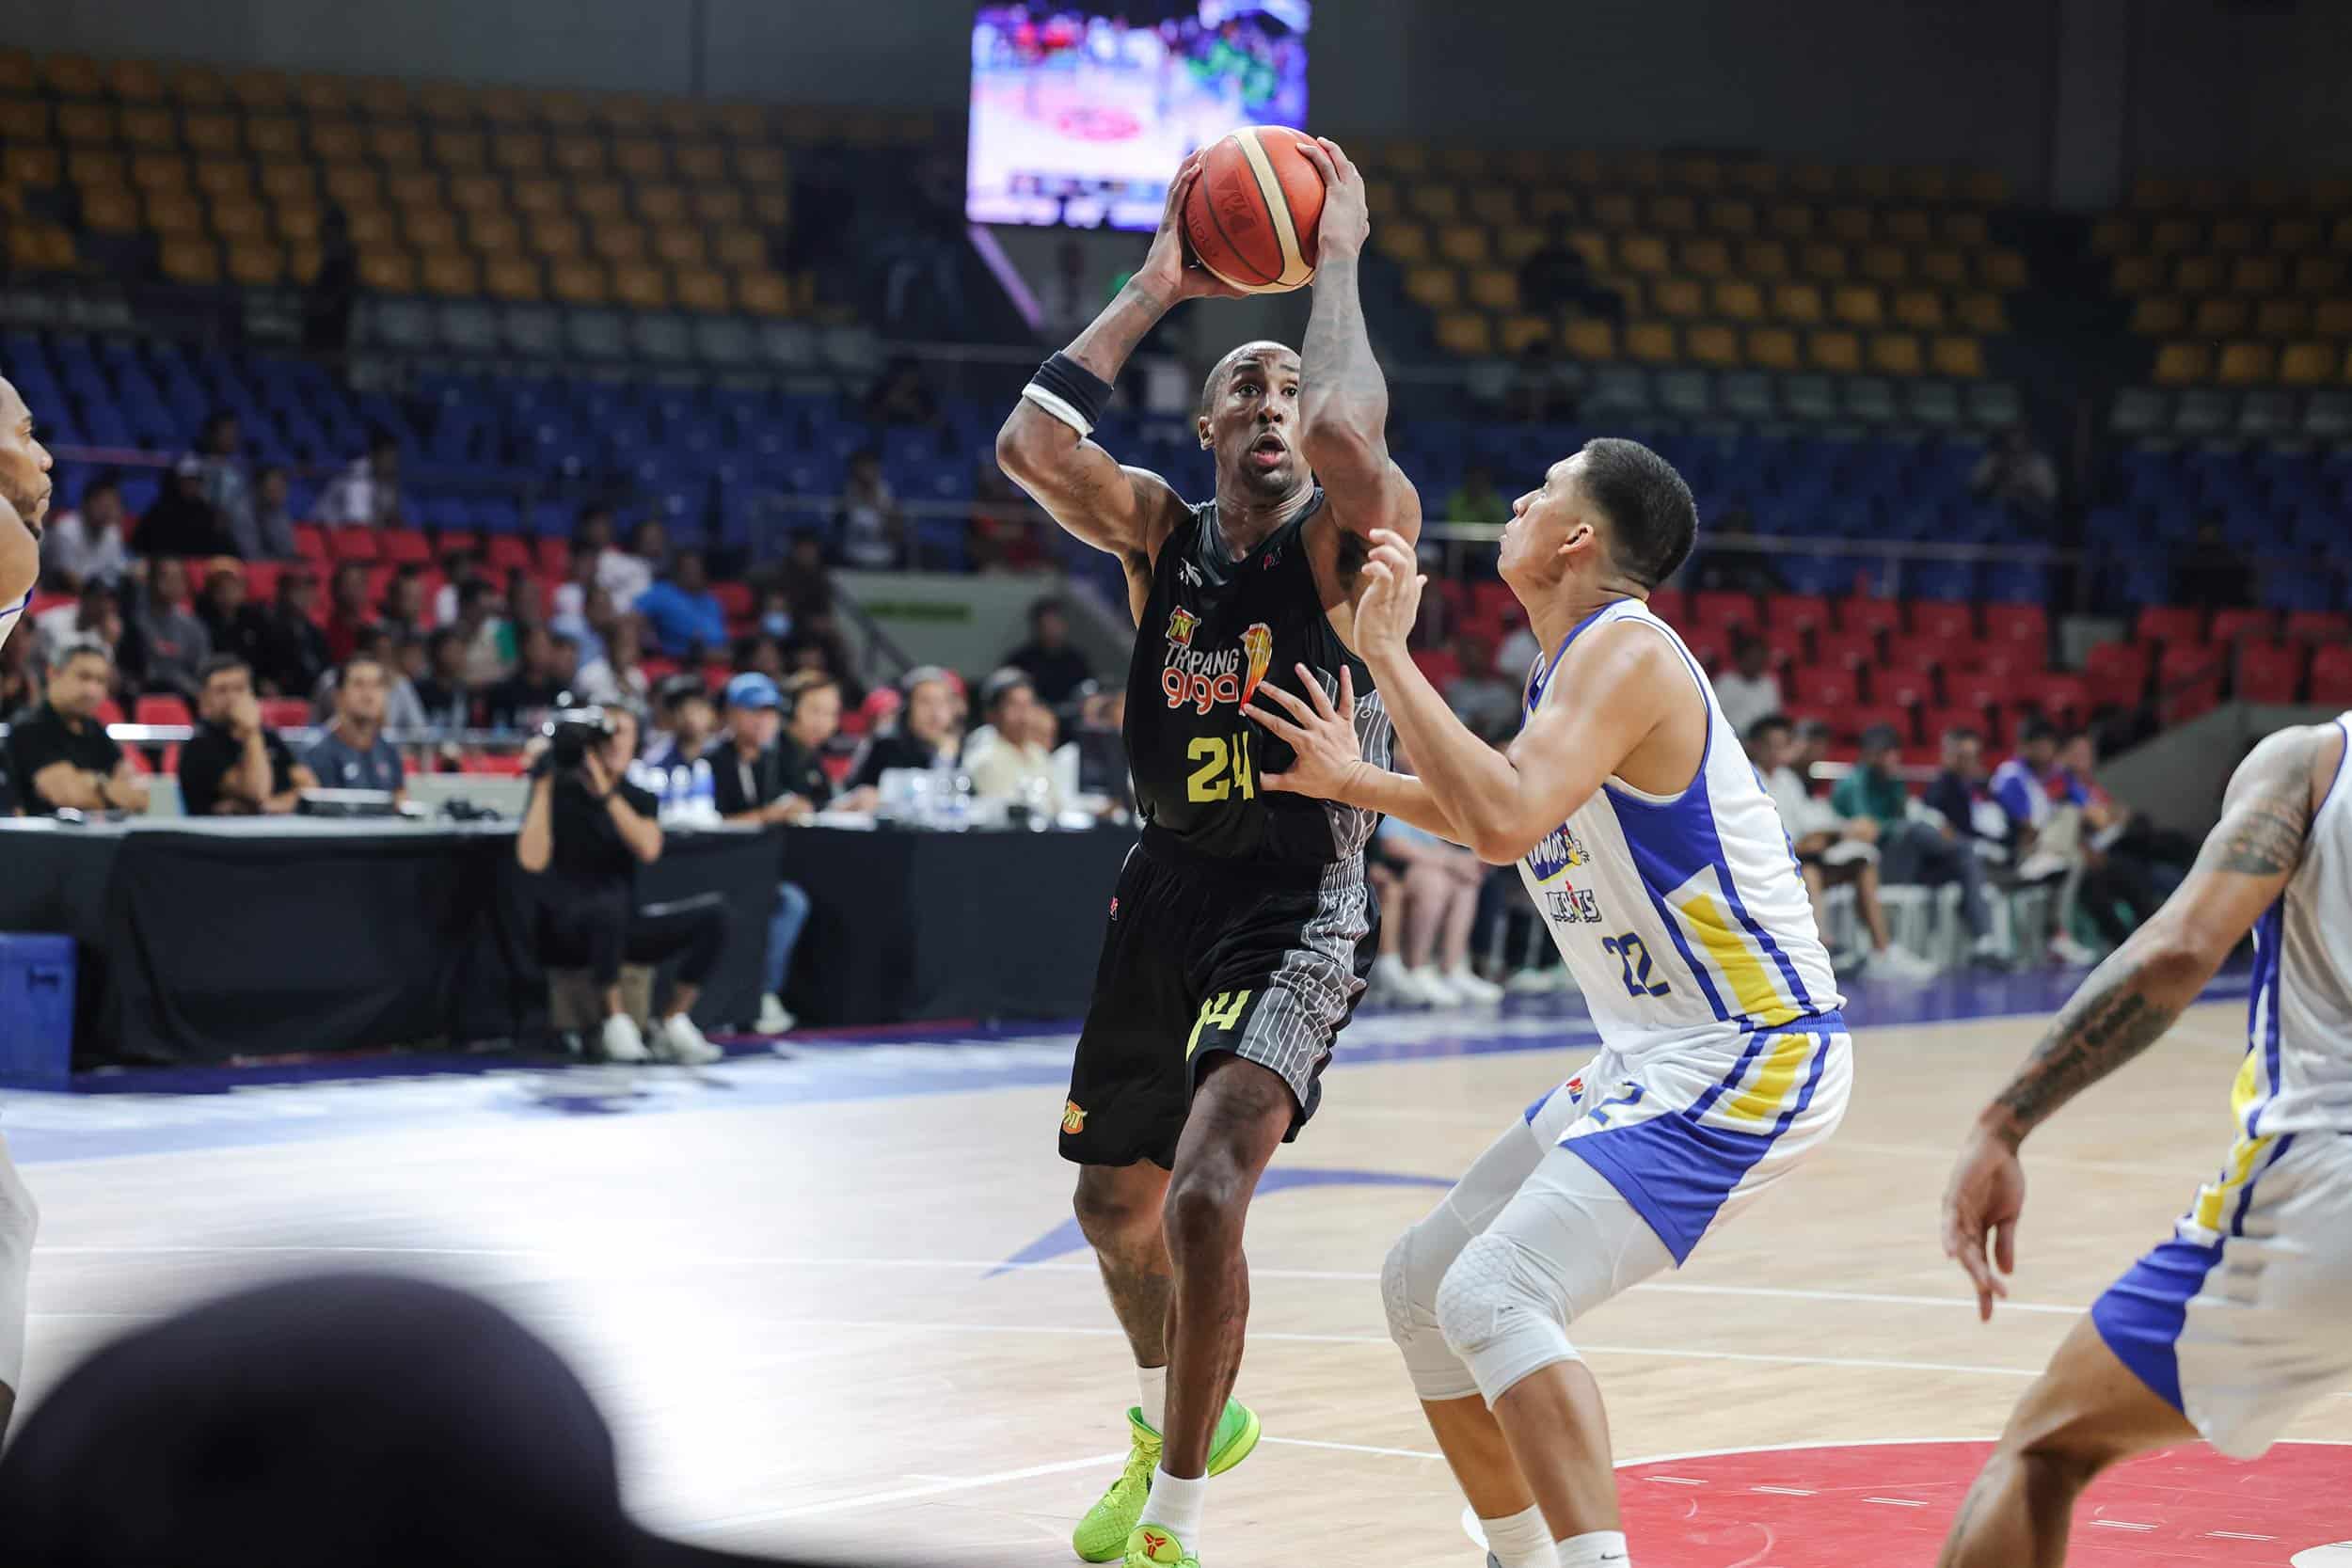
pixel 1203 956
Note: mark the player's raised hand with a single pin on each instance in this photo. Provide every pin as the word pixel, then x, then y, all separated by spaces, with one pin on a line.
pixel 1321 732
pixel 1346 221
pixel 1983 1199
pixel 1168 268
pixel 1391 596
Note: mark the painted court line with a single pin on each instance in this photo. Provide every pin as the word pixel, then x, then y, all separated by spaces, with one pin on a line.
pixel 897 1495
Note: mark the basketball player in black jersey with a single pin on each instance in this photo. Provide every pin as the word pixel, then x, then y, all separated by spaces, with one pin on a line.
pixel 1241 930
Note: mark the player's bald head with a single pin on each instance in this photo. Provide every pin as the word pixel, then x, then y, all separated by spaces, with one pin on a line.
pixel 1269 357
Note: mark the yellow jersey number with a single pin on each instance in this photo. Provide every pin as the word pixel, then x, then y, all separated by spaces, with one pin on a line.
pixel 1222 768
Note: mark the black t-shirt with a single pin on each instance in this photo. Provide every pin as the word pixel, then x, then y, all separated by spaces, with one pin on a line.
pixel 891 749
pixel 1056 673
pixel 736 784
pixel 589 853
pixel 518 699
pixel 209 755
pixel 45 738
pixel 293 652
pixel 245 634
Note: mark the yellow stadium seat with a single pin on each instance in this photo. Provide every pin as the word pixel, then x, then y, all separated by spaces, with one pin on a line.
pixel 680 246
pixel 72 76
pixel 1495 204
pixel 739 249
pixel 2319 274
pixel 1642 253
pixel 2332 318
pixel 150 128
pixel 493 233
pixel 353 185
pixel 371 227
pixel 1959 226
pixel 1773 348
pixel 1835 351
pixel 2138 274
pixel 1652 343
pixel 504 107
pixel 2338 237
pixel 2002 269
pixel 640 159
pixel 110 210
pixel 273 137
pixel 258 88
pixel 1590 339
pixel 1463 245
pixel 174 213
pixel 1614 210
pixel 1800 303
pixel 1764 259
pixel 520 153
pixel 642 287
pixel 1886 263
pixel 22 166
pixel 2207 194
pixel 23 120
pixel 2218 317
pixel 2245 364
pixel 95 170
pixel 190 259
pixel 2282 318
pixel 1513 334
pixel 213 135
pixel 539 197
pixel 600 199
pixel 2231 234
pixel 662 205
pixel 1922 309
pixel 338 141
pixel 578 282
pixel 1946 268
pixel 617 242
pixel 1895 354
pixel 1927 182
pixel 511 277
pixel 1672 213
pixel 1495 289
pixel 2154 192
pixel 460 152
pixel 1629 291
pixel 159 171
pixel 1873 180
pixel 444 101
pixel 763 293
pixel 1981 312
pixel 199 85
pixel 1704 256
pixel 1552 204
pixel 1911 226
pixel 40 247
pixel 1678 296
pixel 1857 305
pixel 1822 261
pixel 1382 198
pixel 298 223
pixel 289 182
pixel 381 97
pixel 1591 244
pixel 2330 193
pixel 555 235
pixel 225 179
pixel 1405 157
pixel 449 272
pixel 2180 364
pixel 2171 235
pixel 578 157
pixel 2197 274
pixel 2270 191
pixel 1984 187
pixel 1515 243
pixel 240 221
pixel 1713 343
pixel 1852 225
pixel 477 193
pixel 258 265
pixel 624 113
pixel 700 289
pixel 1793 221
pixel 1731 216
pixel 415 188
pixel 1641 170
pixel 1737 299
pixel 2307 364
pixel 2293 235
pixel 1960 357
pixel 16 71
pixel 1528 165
pixel 701 163
pixel 86 124
pixel 2159 316
pixel 1814 177
pixel 1439 204
pixel 1758 175
pixel 430 230
pixel 2258 275
pixel 396 146
pixel 1465 333
pixel 563 109
pixel 1700 171
pixel 724 204
pixel 1435 288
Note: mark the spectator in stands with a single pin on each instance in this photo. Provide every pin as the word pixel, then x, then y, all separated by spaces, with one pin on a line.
pixel 226 486
pixel 1749 690
pixel 1054 668
pixel 2211 573
pixel 1481 698
pixel 62 758
pixel 85 544
pixel 1017 766
pixel 458 568
pixel 1831 850
pixel 1911 849
pixel 764 655
pixel 526 610
pixel 870 530
pixel 924 734
pixel 684 615
pixel 2015 472
pixel 353 754
pixel 480 633
pixel 1066 306
pixel 334 292
pixel 1477 500
pixel 579 577
pixel 586 831
pixel 676 768
pixel 235 765
pixel 94 616
pixel 170 644
pixel 403 663
pixel 900 397
pixel 402 615
pixel 807 580
pixel 233 626
pixel 443 689
pixel 1103 748
pixel 619 674
pixel 1005 533
pixel 773 613
pixel 588 625
pixel 532 692
pixel 346 611
pixel 1556 280
pixel 2121 884
pixel 615 568
pixel 295 649
pixel 756 780
pixel 1516 657
pixel 626 574
pixel 366 494
pixel 1962 798
pixel 273 519
pixel 19 691
pixel 182 522
pixel 1541 393
pixel 1438 900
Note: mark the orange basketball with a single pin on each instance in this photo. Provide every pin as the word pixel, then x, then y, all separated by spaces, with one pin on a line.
pixel 1252 215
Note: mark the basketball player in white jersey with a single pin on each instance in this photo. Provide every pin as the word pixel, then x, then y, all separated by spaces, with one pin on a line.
pixel 2245 1316
pixel 1665 875
pixel 23 502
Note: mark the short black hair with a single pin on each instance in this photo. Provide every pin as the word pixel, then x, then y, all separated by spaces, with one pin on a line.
pixel 1653 521
pixel 1765 725
pixel 2035 727
pixel 342 670
pixel 1001 684
pixel 219 664
pixel 1959 733
pixel 1047 605
pixel 1214 388
pixel 107 482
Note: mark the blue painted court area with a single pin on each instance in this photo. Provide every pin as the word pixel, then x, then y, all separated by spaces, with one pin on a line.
pixel 154 1110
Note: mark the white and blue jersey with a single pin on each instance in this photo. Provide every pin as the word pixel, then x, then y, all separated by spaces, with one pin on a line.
pixel 2240 1320
pixel 14 613
pixel 1684 921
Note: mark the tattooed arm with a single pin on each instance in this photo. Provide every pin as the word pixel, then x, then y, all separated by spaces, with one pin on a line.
pixel 2132 999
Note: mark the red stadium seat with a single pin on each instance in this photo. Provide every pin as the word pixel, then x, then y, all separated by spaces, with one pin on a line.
pixel 1963 653
pixel 137 756
pixel 1945 620
pixel 1914 652
pixel 353 544
pixel 2023 625
pixel 43 603
pixel 2319 626
pixel 1936 722
pixel 311 542
pixel 1863 613
pixel 2331 675
pixel 1903 687
pixel 2011 662
pixel 1670 605
pixel 2174 623
pixel 1710 645
pixel 1784 646
pixel 450 540
pixel 510 553
pixel 405 546
pixel 2061 698
pixel 379 579
pixel 1492 604
pixel 2243 625
pixel 1439 665
pixel 2189 680
pixel 1721 609
pixel 110 712
pixel 1796 612
pixel 555 556
pixel 1975 690
pixel 2118 673
pixel 735 598
pixel 658 670
pixel 1896 718
pixel 261 579
pixel 1825 686
pixel 1852 649
pixel 2271 672
pixel 160 709
pixel 285 713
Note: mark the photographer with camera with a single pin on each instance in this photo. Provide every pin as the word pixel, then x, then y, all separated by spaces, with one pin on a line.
pixel 584 834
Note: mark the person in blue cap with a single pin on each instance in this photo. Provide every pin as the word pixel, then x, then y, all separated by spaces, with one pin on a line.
pixel 753 780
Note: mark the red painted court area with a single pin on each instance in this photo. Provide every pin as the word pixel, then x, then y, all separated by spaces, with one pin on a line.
pixel 1858 1507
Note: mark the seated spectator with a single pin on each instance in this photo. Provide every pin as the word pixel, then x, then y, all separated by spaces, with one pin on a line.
pixel 1748 690
pixel 403 663
pixel 1962 798
pixel 1019 766
pixel 1482 699
pixel 219 450
pixel 94 616
pixel 1557 279
pixel 1004 533
pixel 900 396
pixel 62 758
pixel 1912 849
pixel 526 608
pixel 443 689
pixel 617 674
pixel 366 494
pixel 1477 500
pixel 684 615
pixel 579 576
pixel 586 831
pixel 272 518
pixel 482 633
pixel 233 626
pixel 1515 660
pixel 2016 473
pixel 20 693
pixel 924 736
pixel 1438 900
pixel 818 645
pixel 533 691
pixel 346 611
pixel 86 545
pixel 753 782
pixel 353 754
pixel 235 765
pixel 294 652
pixel 182 522
pixel 807 581
pixel 2122 883
pixel 590 626
pixel 676 764
pixel 870 530
pixel 170 644
pixel 1541 391
pixel 1831 850
pixel 626 574
pixel 458 568
pixel 404 614
pixel 1055 668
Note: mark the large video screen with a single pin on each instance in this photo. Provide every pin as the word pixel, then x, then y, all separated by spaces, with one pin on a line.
pixel 1080 113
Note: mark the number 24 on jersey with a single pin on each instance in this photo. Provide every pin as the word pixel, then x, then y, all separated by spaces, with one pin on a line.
pixel 1221 768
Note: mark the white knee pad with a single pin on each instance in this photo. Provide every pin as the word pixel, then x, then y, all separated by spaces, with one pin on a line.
pixel 1504 1311
pixel 1408 1293
pixel 19 1217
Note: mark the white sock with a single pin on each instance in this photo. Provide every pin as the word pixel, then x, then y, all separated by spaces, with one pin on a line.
pixel 1174 1505
pixel 1594 1550
pixel 1154 1382
pixel 1522 1541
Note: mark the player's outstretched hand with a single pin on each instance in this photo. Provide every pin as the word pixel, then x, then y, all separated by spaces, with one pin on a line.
pixel 1346 221
pixel 1168 267
pixel 1323 736
pixel 1985 1197
pixel 1391 597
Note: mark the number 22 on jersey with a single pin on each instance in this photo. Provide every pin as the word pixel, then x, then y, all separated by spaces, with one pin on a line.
pixel 1630 951
pixel 1221 766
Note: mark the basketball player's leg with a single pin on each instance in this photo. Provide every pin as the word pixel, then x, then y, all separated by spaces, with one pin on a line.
pixel 1118 1211
pixel 19 1218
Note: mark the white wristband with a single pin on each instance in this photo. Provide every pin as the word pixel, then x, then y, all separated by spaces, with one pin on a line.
pixel 1059 406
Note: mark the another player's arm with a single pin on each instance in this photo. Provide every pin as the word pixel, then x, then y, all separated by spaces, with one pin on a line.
pixel 20 559
pixel 1343 397
pixel 2132 999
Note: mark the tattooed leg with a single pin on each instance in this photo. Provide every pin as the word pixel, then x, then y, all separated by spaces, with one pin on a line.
pixel 1118 1211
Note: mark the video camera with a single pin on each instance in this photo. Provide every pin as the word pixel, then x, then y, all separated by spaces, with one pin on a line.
pixel 570 732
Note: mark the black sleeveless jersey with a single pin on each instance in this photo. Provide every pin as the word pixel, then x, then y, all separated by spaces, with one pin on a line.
pixel 1214 630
